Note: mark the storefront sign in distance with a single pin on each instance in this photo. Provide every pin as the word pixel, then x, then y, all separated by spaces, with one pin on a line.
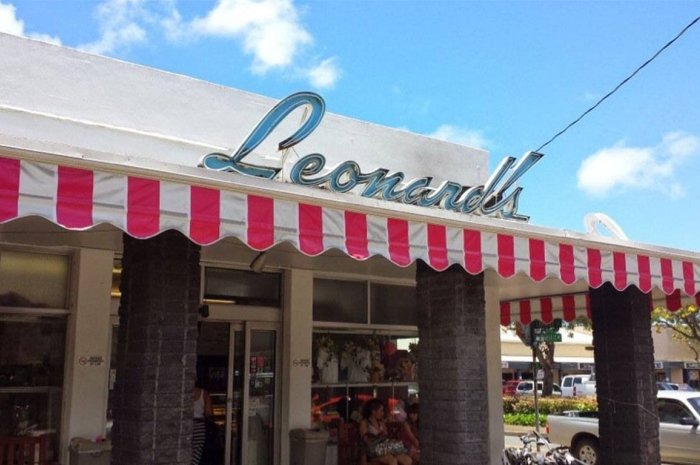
pixel 491 199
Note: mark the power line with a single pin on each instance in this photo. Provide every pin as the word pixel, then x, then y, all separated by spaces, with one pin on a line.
pixel 692 23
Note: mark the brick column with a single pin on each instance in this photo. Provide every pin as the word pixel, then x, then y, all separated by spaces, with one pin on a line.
pixel 156 352
pixel 626 390
pixel 452 367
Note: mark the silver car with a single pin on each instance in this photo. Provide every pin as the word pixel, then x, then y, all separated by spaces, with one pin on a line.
pixel 679 416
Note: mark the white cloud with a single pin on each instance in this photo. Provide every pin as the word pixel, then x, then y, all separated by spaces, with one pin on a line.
pixel 325 74
pixel 120 23
pixel 172 23
pixel 11 24
pixel 270 29
pixel 468 137
pixel 652 168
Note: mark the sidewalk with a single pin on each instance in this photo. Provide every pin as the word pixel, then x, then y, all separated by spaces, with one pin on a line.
pixel 515 430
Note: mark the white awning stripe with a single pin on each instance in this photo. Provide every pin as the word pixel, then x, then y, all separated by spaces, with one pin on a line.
pixel 79 198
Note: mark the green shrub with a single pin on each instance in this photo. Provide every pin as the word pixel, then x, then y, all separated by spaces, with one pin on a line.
pixel 523 419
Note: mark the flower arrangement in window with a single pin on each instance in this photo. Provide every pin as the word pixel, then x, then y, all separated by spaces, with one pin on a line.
pixel 408 366
pixel 326 359
pixel 325 345
pixel 358 361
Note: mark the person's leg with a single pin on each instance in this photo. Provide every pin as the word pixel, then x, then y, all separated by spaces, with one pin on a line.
pixel 198 436
pixel 384 460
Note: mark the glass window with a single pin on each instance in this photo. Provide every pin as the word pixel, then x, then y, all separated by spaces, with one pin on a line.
pixel 393 305
pixel 340 301
pixel 340 357
pixel 31 376
pixel 33 280
pixel 242 287
pixel 671 411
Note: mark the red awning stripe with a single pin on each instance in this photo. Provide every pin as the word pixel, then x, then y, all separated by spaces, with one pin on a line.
pixel 398 243
pixel 437 246
pixel 205 215
pixel 473 256
pixel 261 222
pixel 506 255
pixel 79 198
pixel 594 262
pixel 356 243
pixel 689 278
pixel 310 229
pixel 9 189
pixel 619 270
pixel 538 263
pixel 143 207
pixel 568 307
pixel 644 273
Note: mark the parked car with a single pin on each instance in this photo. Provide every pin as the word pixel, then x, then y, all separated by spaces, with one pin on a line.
pixel 510 386
pixel 526 388
pixel 664 386
pixel 568 381
pixel 679 435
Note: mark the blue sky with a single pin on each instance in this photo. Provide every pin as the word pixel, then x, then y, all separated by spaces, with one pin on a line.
pixel 503 76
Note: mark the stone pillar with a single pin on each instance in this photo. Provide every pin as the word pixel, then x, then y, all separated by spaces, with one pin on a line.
pixel 626 390
pixel 452 367
pixel 156 354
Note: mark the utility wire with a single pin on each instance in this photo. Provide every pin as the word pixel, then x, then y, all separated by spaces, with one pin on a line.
pixel 692 23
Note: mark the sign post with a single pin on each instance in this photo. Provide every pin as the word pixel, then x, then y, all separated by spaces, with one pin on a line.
pixel 540 333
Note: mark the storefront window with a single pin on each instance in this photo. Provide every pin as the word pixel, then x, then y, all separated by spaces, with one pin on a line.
pixel 31 375
pixel 242 287
pixel 33 280
pixel 351 368
pixel 365 346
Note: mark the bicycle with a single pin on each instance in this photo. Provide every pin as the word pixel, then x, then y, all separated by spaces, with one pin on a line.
pixel 527 455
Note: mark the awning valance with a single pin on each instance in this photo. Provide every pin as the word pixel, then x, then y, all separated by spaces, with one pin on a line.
pixel 569 307
pixel 78 198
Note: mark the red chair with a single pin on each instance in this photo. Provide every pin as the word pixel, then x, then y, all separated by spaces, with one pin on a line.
pixel 23 450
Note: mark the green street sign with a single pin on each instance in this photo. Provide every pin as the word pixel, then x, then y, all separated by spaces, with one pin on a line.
pixel 548 337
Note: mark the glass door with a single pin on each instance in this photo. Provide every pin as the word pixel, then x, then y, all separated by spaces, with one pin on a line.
pixel 237 365
pixel 260 420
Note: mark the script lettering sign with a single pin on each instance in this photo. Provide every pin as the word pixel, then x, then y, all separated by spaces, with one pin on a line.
pixel 497 197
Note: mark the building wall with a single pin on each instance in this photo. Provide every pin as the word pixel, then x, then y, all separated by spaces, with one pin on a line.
pixel 296 374
pixel 87 348
pixel 668 349
pixel 493 367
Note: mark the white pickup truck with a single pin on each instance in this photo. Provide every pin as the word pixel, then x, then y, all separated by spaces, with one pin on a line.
pixel 578 385
pixel 679 417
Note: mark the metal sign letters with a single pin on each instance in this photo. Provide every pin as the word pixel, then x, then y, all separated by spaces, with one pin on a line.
pixel 494 198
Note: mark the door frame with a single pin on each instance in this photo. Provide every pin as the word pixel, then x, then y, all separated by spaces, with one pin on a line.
pixel 247 326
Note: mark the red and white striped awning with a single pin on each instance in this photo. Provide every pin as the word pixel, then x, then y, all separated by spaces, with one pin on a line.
pixel 569 307
pixel 78 198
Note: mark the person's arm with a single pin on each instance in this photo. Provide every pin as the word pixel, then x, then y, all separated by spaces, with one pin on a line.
pixel 363 428
pixel 408 434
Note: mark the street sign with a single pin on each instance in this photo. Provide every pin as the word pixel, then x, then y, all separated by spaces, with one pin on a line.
pixel 537 332
pixel 548 337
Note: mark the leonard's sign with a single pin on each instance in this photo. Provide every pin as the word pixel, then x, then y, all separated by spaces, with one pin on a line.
pixel 494 198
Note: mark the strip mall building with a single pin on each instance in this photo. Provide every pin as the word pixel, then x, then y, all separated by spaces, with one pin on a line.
pixel 127 271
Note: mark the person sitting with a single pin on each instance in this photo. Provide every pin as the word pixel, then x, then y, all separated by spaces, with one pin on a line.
pixel 409 434
pixel 381 450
